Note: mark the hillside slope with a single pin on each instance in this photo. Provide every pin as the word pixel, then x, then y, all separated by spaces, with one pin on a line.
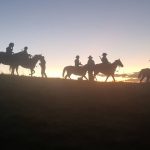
pixel 43 114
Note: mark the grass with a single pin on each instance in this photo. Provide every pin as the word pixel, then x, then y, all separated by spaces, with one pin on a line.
pixel 38 113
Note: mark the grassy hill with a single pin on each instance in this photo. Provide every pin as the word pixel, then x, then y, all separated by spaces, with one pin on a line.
pixel 38 113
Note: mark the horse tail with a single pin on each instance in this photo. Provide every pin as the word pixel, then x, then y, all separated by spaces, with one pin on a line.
pixel 140 74
pixel 65 69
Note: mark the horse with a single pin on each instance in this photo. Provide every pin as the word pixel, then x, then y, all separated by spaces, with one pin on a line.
pixel 144 73
pixel 28 63
pixel 80 71
pixel 107 69
pixel 10 59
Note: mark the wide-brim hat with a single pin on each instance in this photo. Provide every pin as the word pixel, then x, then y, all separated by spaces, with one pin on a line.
pixel 90 56
pixel 25 47
pixel 11 44
pixel 104 54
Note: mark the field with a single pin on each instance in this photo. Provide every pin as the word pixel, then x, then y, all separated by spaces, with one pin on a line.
pixel 51 114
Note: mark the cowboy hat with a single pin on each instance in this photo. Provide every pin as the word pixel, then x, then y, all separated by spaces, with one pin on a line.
pixel 90 56
pixel 77 56
pixel 104 54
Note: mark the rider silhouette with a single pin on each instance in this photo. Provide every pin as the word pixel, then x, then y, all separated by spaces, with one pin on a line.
pixel 77 61
pixel 9 49
pixel 28 56
pixel 90 65
pixel 104 59
pixel 43 67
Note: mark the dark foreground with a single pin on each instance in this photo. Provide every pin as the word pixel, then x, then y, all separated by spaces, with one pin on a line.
pixel 62 114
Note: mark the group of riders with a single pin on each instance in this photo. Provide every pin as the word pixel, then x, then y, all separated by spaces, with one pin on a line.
pixel 27 57
pixel 91 63
pixel 23 58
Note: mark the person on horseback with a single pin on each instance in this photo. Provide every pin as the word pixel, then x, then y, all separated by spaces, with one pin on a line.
pixel 104 59
pixel 77 61
pixel 43 67
pixel 28 56
pixel 9 49
pixel 90 65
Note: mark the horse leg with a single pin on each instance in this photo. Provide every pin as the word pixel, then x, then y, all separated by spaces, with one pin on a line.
pixel 147 80
pixel 69 76
pixel 142 79
pixel 107 78
pixel 12 70
pixel 95 78
pixel 32 72
pixel 113 78
pixel 45 75
pixel 85 77
pixel 66 76
pixel 17 70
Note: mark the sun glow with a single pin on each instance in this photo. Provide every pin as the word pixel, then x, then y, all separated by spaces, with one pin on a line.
pixel 57 73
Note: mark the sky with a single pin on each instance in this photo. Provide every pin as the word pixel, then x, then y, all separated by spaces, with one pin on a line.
pixel 62 29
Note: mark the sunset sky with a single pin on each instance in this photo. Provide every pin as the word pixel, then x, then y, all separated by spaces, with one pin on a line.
pixel 62 29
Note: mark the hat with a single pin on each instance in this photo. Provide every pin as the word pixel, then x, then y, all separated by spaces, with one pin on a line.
pixel 11 44
pixel 90 56
pixel 77 56
pixel 25 47
pixel 104 54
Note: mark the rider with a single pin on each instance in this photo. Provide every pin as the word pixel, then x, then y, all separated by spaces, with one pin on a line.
pixel 9 49
pixel 104 59
pixel 28 56
pixel 90 65
pixel 77 61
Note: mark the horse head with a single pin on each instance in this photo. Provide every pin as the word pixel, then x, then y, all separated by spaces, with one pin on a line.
pixel 118 63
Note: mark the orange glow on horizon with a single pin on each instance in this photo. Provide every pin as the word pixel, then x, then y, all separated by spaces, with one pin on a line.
pixel 57 73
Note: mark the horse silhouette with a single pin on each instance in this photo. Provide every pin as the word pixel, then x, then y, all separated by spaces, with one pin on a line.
pixel 10 59
pixel 28 63
pixel 80 71
pixel 144 73
pixel 107 69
